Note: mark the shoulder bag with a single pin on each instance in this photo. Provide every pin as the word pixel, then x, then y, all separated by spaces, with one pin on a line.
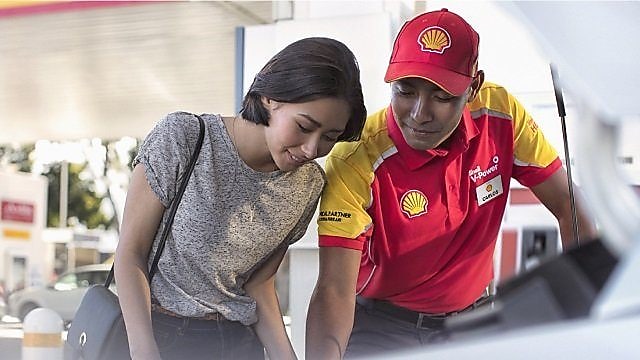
pixel 97 331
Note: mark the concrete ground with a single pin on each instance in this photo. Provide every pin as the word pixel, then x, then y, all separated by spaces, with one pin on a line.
pixel 10 339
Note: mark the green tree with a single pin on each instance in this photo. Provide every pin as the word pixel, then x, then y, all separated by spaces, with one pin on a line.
pixel 18 157
pixel 83 202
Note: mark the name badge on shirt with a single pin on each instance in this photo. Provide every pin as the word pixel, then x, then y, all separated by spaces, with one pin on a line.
pixel 489 190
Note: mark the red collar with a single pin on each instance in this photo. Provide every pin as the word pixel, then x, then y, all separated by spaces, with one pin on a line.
pixel 414 159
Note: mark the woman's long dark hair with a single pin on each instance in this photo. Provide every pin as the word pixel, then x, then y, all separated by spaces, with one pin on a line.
pixel 307 70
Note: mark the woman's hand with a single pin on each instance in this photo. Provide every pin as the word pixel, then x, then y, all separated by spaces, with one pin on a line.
pixel 270 327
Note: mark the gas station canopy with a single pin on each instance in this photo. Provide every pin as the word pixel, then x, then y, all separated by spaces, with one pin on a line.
pixel 71 70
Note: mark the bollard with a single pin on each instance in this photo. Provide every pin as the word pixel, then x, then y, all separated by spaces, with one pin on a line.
pixel 42 338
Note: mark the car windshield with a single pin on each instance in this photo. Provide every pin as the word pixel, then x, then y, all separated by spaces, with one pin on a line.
pixel 80 280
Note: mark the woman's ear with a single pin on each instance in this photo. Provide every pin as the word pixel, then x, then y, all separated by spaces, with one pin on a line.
pixel 270 104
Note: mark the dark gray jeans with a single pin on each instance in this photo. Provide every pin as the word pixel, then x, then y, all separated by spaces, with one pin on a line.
pixel 204 339
pixel 375 332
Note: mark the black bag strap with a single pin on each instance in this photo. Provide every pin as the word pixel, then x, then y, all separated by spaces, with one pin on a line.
pixel 172 209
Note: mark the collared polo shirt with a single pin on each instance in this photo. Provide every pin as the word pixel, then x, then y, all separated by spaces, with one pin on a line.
pixel 427 221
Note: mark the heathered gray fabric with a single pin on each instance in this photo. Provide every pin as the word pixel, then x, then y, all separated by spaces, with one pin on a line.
pixel 229 221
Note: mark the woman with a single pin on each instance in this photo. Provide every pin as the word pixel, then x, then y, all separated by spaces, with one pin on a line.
pixel 253 192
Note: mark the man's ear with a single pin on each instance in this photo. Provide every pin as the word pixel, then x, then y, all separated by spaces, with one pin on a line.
pixel 476 83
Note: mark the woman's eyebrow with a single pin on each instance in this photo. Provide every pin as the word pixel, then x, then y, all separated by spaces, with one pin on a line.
pixel 310 118
pixel 317 124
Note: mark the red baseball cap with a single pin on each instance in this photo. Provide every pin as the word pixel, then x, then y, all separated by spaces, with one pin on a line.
pixel 438 46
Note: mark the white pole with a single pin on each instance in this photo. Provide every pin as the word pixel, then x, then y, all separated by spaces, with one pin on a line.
pixel 64 191
pixel 42 337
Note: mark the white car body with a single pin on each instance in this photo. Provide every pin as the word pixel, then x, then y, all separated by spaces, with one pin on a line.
pixel 63 296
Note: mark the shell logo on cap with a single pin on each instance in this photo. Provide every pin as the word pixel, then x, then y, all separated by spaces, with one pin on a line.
pixel 414 203
pixel 434 39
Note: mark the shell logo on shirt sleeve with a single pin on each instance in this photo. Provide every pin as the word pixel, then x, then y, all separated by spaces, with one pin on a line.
pixel 414 203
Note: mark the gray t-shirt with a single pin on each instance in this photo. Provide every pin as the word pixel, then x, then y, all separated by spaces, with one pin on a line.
pixel 230 220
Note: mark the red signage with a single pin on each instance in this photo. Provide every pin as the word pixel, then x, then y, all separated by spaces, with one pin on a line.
pixel 17 211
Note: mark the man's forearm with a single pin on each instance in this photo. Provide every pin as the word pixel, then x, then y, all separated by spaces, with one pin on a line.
pixel 586 229
pixel 328 329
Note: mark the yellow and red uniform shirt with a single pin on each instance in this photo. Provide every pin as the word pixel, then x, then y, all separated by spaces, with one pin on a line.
pixel 426 221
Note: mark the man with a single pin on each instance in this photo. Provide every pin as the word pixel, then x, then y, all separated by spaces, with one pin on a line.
pixel 411 212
